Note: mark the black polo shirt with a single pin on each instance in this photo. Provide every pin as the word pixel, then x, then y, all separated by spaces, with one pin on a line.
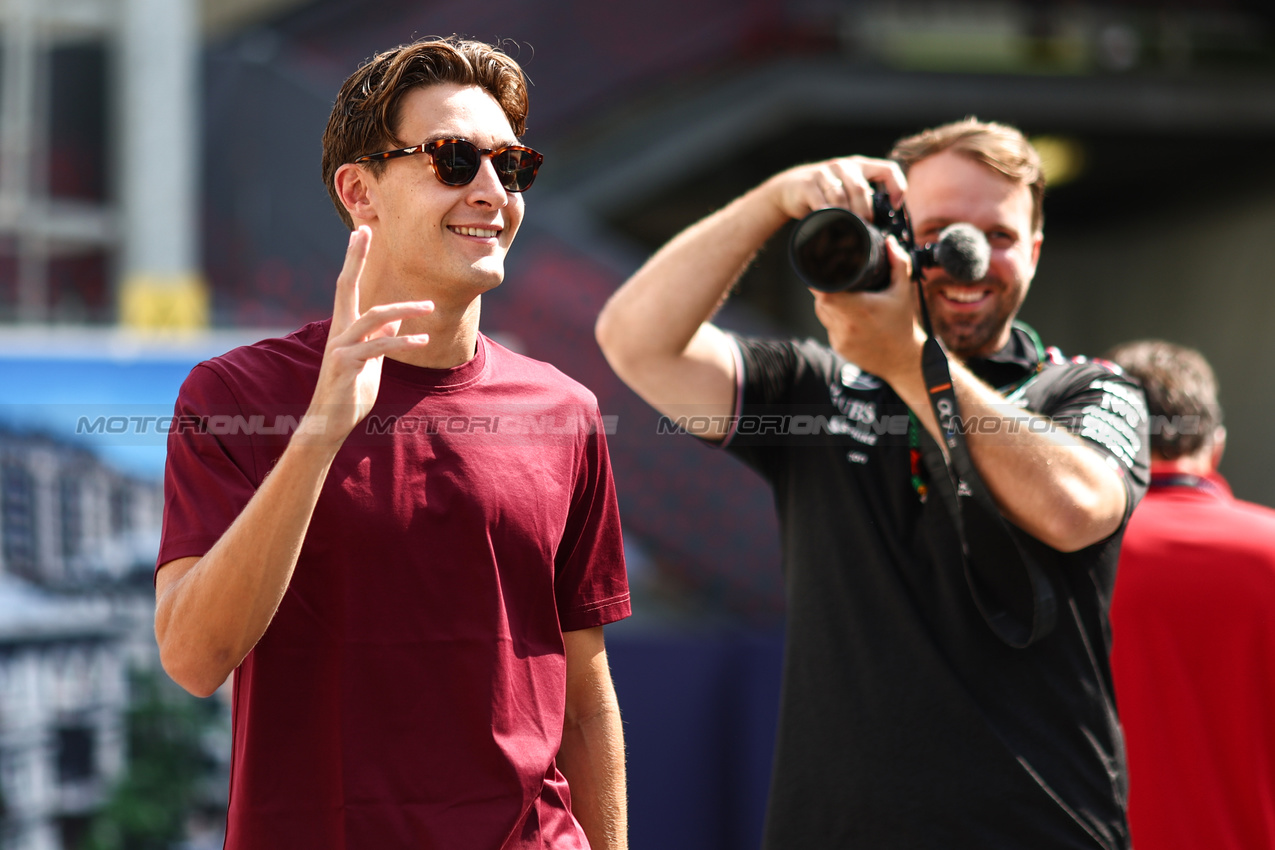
pixel 906 722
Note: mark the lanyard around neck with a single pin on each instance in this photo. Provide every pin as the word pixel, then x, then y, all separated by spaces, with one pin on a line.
pixel 993 555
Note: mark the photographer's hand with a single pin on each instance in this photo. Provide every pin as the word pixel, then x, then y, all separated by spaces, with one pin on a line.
pixel 879 331
pixel 1043 479
pixel 844 182
pixel 655 330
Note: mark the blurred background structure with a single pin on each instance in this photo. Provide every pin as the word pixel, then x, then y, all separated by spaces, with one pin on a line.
pixel 160 200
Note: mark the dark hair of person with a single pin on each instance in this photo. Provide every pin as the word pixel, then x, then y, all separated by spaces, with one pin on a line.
pixel 1181 394
pixel 1000 147
pixel 366 116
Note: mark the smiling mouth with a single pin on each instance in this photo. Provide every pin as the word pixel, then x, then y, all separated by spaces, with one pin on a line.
pixel 481 232
pixel 964 296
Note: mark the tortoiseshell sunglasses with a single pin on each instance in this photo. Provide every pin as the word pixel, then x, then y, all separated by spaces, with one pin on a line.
pixel 456 162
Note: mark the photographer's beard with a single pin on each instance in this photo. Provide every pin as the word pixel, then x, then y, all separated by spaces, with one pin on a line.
pixel 973 319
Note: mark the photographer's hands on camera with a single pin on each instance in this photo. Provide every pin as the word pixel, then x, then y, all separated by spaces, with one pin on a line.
pixel 879 332
pixel 657 334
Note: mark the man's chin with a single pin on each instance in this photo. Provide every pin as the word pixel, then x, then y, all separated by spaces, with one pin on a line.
pixel 964 341
pixel 487 276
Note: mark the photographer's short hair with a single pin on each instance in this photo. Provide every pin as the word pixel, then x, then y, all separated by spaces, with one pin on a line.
pixel 365 116
pixel 1000 147
pixel 1181 394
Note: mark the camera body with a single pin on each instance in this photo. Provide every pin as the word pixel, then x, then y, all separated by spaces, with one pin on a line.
pixel 833 250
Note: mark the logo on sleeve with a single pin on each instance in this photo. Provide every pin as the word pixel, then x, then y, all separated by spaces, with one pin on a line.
pixel 1113 422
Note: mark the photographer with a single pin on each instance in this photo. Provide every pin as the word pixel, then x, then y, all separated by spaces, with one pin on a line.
pixel 930 699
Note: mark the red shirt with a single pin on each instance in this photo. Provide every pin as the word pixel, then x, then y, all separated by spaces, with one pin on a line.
pixel 1193 658
pixel 410 690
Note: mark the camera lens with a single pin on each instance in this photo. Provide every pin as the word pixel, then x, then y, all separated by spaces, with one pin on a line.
pixel 834 250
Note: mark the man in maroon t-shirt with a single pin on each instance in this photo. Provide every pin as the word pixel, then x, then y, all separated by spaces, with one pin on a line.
pixel 401 537
pixel 1193 627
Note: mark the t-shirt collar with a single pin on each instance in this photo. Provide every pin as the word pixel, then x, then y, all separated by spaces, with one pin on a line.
pixel 442 380
pixel 1212 484
pixel 1018 358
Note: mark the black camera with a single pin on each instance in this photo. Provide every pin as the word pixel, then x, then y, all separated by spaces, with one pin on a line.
pixel 833 250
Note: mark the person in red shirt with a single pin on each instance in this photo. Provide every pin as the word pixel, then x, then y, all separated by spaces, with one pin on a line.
pixel 401 537
pixel 1193 627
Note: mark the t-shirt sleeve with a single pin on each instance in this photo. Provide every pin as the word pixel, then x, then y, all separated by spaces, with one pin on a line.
pixel 208 479
pixel 767 370
pixel 766 373
pixel 1108 411
pixel 590 583
pixel 780 386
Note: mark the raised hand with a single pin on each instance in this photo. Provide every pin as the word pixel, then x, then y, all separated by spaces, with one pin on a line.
pixel 840 182
pixel 212 610
pixel 350 375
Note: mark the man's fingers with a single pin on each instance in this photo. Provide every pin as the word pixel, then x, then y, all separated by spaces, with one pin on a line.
pixel 377 322
pixel 830 190
pixel 888 173
pixel 346 308
pixel 852 187
pixel 387 329
pixel 845 182
pixel 900 263
pixel 382 345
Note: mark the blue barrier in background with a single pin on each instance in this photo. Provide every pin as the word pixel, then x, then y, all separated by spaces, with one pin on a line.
pixel 699 722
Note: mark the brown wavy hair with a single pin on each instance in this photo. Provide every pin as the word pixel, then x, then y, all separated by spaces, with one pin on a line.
pixel 365 116
pixel 1181 394
pixel 1000 147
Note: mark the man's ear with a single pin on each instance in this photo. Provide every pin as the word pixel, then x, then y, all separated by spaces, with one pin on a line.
pixel 1218 445
pixel 356 186
pixel 1037 239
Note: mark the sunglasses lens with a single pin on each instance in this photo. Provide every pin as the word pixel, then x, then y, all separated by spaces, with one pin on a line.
pixel 456 162
pixel 516 167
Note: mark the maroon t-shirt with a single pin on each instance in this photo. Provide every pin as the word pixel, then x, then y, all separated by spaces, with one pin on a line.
pixel 410 690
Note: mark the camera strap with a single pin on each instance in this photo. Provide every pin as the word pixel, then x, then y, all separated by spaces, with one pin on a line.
pixel 1008 585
